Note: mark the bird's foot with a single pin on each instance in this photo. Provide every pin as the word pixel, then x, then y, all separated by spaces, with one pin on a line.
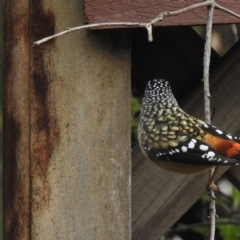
pixel 211 186
pixel 211 189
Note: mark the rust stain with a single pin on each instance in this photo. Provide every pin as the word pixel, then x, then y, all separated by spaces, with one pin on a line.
pixel 14 217
pixel 17 214
pixel 15 196
pixel 46 124
pixel 43 23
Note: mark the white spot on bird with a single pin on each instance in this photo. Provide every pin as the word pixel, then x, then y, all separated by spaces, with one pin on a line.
pixel 219 131
pixel 184 148
pixel 210 154
pixel 191 145
pixel 229 136
pixel 203 147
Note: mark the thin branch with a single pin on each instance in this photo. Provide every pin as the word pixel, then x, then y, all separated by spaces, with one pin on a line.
pixel 206 64
pixel 148 25
pixel 149 30
pixel 226 10
pixel 73 29
pixel 161 16
pixel 212 211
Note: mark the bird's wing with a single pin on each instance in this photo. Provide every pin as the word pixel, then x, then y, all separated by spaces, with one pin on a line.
pixel 219 133
pixel 193 151
pixel 224 143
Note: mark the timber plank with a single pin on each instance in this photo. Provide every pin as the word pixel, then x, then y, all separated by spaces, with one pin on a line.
pixel 233 175
pixel 160 197
pixel 167 196
pixel 97 11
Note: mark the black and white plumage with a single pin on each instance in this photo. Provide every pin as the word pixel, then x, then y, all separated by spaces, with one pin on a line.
pixel 176 141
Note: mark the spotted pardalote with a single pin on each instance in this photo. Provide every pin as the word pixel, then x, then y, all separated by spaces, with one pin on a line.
pixel 178 142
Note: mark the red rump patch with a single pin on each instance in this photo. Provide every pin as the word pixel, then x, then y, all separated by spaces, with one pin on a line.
pixel 227 148
pixel 234 150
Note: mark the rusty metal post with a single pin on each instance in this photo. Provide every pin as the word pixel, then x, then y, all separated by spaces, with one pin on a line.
pixel 66 126
pixel 16 120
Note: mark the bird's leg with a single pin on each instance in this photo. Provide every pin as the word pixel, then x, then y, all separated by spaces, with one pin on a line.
pixel 211 184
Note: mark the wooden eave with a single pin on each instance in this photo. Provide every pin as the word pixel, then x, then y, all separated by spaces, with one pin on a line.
pixel 98 11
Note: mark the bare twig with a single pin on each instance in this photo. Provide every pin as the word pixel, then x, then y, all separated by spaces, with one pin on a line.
pixel 206 63
pixel 149 30
pixel 226 10
pixel 161 16
pixel 148 25
pixel 131 24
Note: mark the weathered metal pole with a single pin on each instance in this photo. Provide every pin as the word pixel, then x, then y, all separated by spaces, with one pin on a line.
pixel 66 126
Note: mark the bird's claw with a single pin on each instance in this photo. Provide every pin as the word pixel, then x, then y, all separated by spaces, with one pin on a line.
pixel 212 186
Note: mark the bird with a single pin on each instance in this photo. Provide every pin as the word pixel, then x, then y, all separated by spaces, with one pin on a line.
pixel 177 141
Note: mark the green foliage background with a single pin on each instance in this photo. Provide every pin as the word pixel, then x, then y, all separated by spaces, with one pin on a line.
pixel 135 109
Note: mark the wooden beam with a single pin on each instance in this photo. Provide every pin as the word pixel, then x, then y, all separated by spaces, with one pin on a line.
pixel 159 197
pixel 97 11
pixel 233 175
pixel 66 126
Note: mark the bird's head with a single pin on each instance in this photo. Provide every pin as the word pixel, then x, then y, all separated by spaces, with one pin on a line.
pixel 158 90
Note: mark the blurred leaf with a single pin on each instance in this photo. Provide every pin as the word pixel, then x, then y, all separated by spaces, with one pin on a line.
pixel 135 108
pixel 229 231
pixel 204 230
pixel 236 198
